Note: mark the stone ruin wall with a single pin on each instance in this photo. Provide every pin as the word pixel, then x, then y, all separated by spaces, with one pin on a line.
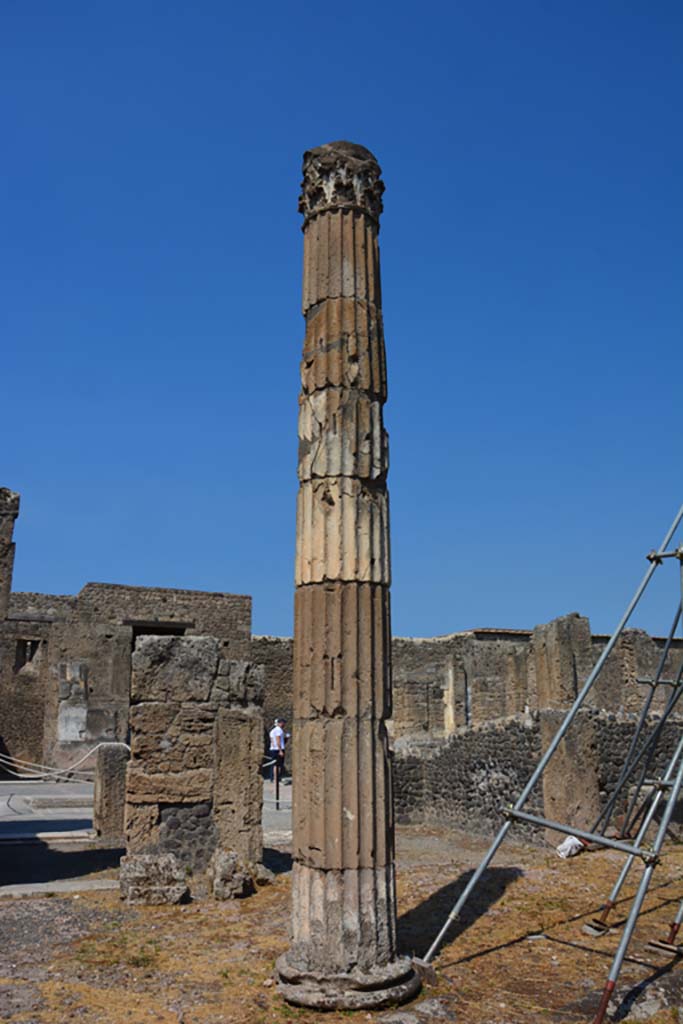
pixel 443 684
pixel 464 704
pixel 473 712
pixel 65 662
pixel 196 733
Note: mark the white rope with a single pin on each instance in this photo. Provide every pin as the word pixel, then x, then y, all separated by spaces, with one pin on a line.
pixel 30 765
pixel 48 772
pixel 44 776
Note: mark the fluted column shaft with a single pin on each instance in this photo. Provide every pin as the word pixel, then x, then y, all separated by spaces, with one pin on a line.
pixel 343 950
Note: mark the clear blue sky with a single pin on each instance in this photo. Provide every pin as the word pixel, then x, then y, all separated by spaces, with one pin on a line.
pixel 531 255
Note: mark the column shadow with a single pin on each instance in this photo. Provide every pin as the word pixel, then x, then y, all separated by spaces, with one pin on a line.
pixel 418 927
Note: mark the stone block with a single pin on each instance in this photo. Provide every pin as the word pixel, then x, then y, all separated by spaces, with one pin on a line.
pixel 110 790
pixel 571 781
pixel 152 879
pixel 178 668
pixel 238 785
pixel 341 259
pixel 238 682
pixel 342 532
pixel 344 347
pixel 141 825
pixel 144 787
pixel 341 433
pixel 172 737
pixel 563 659
pixel 343 919
pixel 228 877
pixel 197 742
pixel 342 650
pixel 342 807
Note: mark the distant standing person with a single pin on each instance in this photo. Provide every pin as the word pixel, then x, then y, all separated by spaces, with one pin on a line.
pixel 278 742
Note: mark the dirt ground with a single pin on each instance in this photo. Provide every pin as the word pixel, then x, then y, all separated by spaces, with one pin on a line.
pixel 519 955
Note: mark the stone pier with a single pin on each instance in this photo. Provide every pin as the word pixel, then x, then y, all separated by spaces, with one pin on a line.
pixel 343 951
pixel 9 510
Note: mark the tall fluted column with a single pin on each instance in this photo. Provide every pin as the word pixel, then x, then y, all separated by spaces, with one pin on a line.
pixel 343 952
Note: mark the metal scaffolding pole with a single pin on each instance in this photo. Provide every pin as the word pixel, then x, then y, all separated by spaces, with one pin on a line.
pixel 667 788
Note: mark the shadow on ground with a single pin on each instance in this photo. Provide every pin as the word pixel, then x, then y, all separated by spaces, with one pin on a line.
pixel 418 928
pixel 30 826
pixel 23 864
pixel 276 861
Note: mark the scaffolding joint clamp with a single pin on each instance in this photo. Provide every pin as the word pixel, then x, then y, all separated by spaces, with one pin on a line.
pixel 653 557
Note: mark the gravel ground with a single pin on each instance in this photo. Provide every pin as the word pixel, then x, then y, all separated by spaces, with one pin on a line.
pixel 517 956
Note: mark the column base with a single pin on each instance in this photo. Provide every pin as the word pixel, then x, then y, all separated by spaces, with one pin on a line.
pixel 373 989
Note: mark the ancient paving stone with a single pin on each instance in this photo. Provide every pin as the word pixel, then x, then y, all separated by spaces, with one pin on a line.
pixel 343 951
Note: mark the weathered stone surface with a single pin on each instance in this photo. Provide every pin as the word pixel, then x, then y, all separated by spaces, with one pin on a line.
pixel 152 879
pixel 342 807
pixel 341 651
pixel 186 675
pixel 571 781
pixel 344 347
pixel 340 175
pixel 167 787
pixel 193 783
pixel 110 790
pixel 189 832
pixel 341 434
pixel 238 682
pixel 563 660
pixel 172 737
pixel 343 952
pixel 141 825
pixel 228 877
pixel 374 988
pixel 342 532
pixel 262 875
pixel 238 785
pixel 342 918
pixel 341 260
pixel 9 510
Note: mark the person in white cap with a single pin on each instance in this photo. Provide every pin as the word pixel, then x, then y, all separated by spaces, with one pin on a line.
pixel 278 741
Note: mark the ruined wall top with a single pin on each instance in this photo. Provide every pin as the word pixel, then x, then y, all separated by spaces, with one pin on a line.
pixel 340 176
pixel 9 502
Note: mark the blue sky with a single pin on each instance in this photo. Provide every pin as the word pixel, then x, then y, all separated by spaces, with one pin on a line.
pixel 150 311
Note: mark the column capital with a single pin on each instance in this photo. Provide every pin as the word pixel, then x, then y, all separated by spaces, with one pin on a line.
pixel 340 176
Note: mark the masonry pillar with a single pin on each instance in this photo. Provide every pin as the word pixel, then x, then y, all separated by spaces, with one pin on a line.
pixel 9 510
pixel 343 951
pixel 109 798
pixel 563 659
